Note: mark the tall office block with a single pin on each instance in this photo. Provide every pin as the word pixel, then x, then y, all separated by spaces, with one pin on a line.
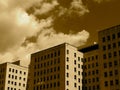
pixel 56 68
pixel 109 53
pixel 91 68
pixel 13 76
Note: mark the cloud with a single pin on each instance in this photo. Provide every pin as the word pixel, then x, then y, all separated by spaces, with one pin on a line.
pixel 17 26
pixel 51 38
pixel 99 1
pixel 46 7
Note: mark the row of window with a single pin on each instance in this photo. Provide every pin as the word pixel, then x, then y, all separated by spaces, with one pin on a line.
pixel 92 65
pixel 91 58
pixel 47 71
pixel 15 83
pixel 110 46
pixel 110 73
pixel 16 71
pixel 94 87
pixel 110 55
pixel 94 72
pixel 75 85
pixel 110 64
pixel 111 37
pixel 16 77
pixel 46 64
pixel 111 83
pixel 91 80
pixel 46 86
pixel 47 78
pixel 48 56
pixel 11 88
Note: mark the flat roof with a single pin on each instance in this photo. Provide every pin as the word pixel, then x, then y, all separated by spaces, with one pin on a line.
pixel 89 48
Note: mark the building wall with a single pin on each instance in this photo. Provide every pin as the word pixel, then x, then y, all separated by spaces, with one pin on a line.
pixel 2 76
pixel 13 77
pixel 109 42
pixel 73 68
pixel 50 68
pixel 91 71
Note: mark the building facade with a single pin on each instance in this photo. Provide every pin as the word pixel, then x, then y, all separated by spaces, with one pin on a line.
pixel 56 68
pixel 91 68
pixel 13 76
pixel 109 51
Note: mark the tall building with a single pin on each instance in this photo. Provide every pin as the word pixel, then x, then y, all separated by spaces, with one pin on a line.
pixel 56 68
pixel 109 53
pixel 91 68
pixel 13 76
pixel 102 62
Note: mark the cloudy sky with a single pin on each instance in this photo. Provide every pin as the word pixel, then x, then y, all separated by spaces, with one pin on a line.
pixel 27 26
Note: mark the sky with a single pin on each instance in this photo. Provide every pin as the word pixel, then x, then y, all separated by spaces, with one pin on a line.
pixel 27 26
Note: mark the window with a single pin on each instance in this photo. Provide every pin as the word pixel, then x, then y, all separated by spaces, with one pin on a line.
pixel 67 74
pixel 106 83
pixel 109 55
pixel 67 59
pixel 113 36
pixel 74 54
pixel 67 66
pixel 110 64
pixel 108 38
pixel 75 84
pixel 104 48
pixel 104 56
pixel 117 82
pixel 111 82
pixel 109 46
pixel 75 62
pixel 105 65
pixel 111 73
pixel 78 65
pixel 67 51
pixel 75 77
pixel 105 74
pixel 116 72
pixel 114 45
pixel 67 82
pixel 118 34
pixel 75 69
pixel 115 54
pixel 103 39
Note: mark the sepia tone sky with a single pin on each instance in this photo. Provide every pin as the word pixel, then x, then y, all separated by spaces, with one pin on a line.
pixel 27 26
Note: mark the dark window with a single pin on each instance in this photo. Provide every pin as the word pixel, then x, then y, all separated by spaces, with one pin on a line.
pixel 109 46
pixel 106 83
pixel 111 82
pixel 104 48
pixel 108 38
pixel 105 74
pixel 103 39
pixel 113 36
pixel 114 45
pixel 118 34
pixel 104 56
pixel 67 51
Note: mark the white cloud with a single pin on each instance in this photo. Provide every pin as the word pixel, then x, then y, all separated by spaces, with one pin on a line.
pixel 46 7
pixel 51 38
pixel 16 25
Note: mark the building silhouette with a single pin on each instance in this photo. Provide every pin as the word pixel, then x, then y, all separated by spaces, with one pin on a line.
pixel 13 76
pixel 91 70
pixel 56 68
pixel 102 61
